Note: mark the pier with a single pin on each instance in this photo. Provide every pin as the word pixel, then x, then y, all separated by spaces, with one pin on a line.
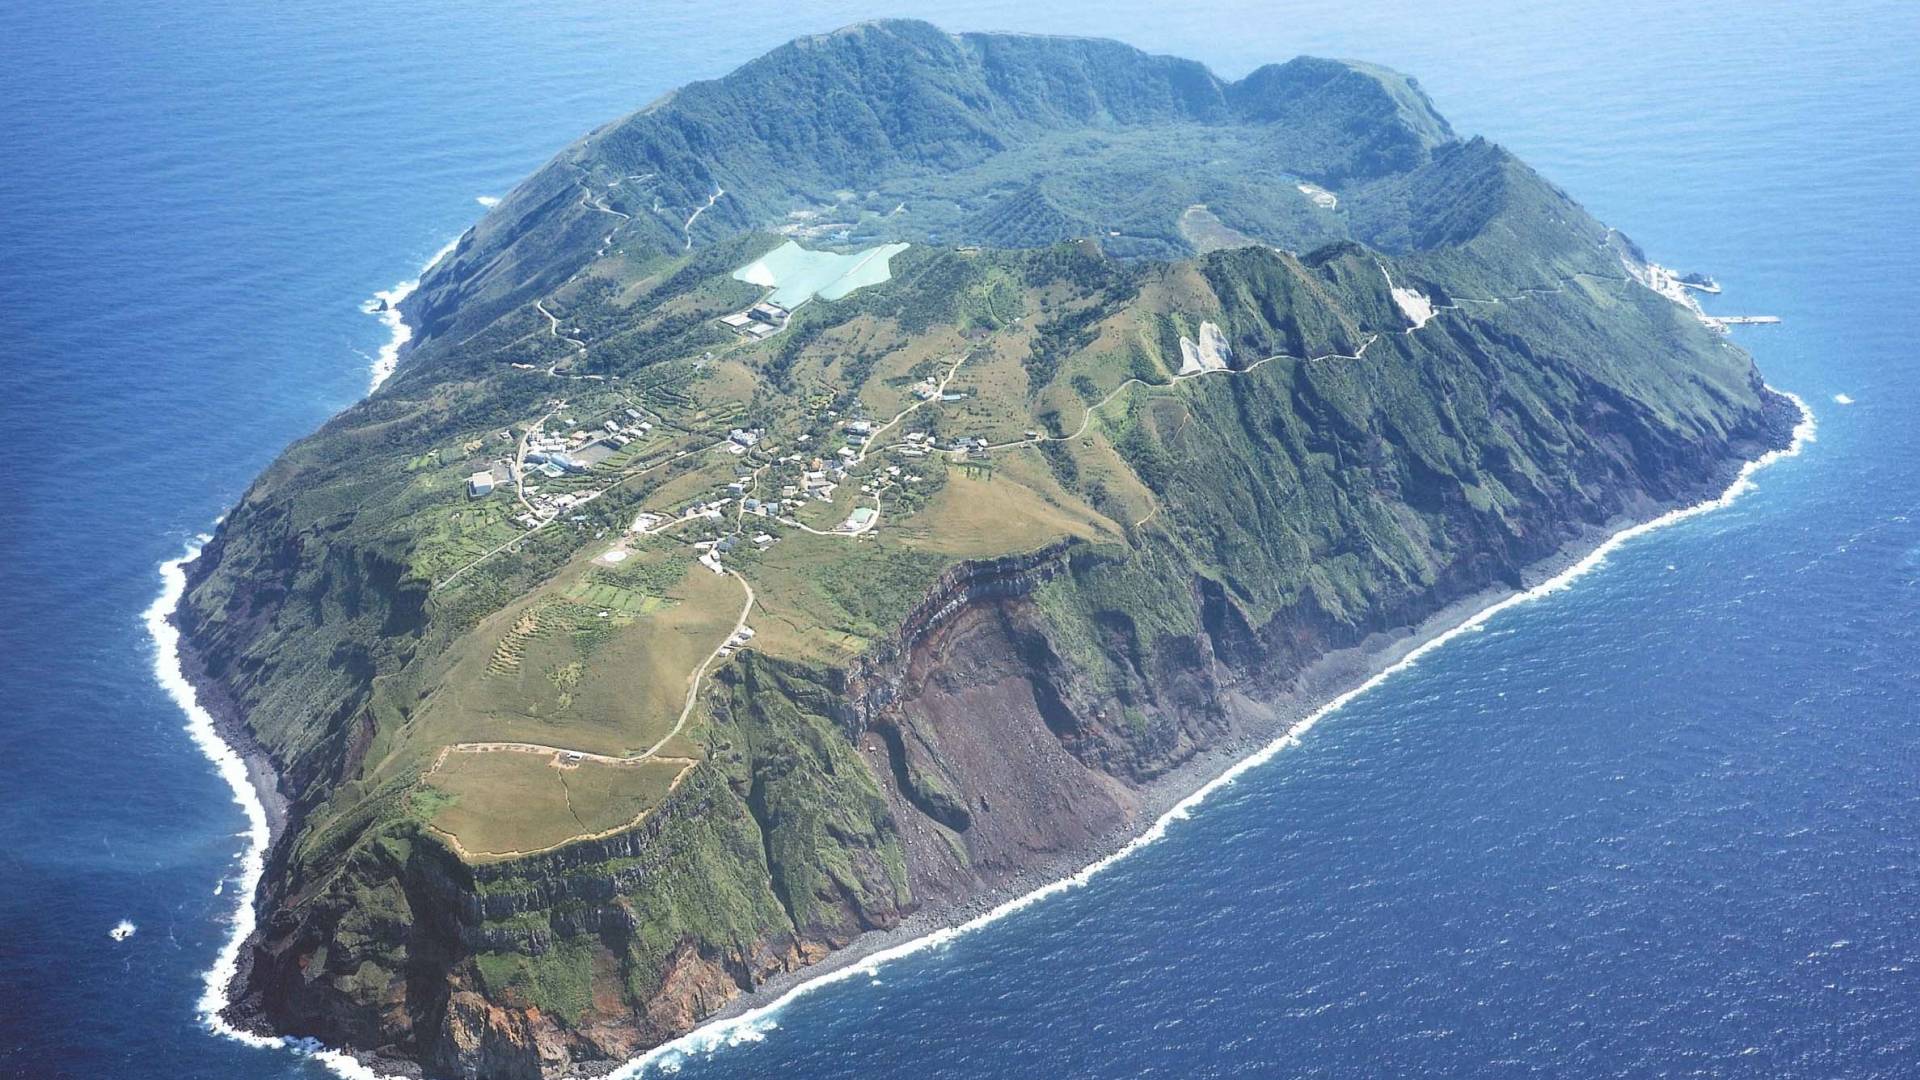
pixel 1721 322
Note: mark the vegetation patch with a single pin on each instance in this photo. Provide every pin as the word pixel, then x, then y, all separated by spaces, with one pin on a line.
pixel 496 803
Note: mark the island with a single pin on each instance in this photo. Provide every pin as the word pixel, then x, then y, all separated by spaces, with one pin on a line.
pixel 851 492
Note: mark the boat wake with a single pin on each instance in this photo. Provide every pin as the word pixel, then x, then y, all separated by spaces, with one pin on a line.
pixel 753 1026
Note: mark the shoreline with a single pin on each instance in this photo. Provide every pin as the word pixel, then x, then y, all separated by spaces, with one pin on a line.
pixel 1167 800
pixel 1174 797
pixel 170 671
pixel 236 758
pixel 385 305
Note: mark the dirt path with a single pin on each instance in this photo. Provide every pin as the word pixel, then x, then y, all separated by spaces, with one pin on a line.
pixel 688 227
pixel 574 756
pixel 651 752
pixel 686 765
pixel 873 437
pixel 595 202
pixel 553 327
pixel 693 688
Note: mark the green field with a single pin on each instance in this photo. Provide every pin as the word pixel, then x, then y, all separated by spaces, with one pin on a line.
pixel 553 670
pixel 552 802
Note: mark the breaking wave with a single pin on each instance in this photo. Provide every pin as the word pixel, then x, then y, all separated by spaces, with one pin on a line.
pixel 386 304
pixel 754 1025
pixel 232 768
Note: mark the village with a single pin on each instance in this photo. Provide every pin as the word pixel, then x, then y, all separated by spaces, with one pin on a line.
pixel 561 465
pixel 834 475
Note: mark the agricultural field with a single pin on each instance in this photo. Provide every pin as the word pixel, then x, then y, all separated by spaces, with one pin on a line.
pixel 503 802
pixel 600 660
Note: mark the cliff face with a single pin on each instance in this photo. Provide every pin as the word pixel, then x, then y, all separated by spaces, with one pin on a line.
pixel 986 741
pixel 1457 379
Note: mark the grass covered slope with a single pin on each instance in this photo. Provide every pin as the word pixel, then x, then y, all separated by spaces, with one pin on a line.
pixel 629 648
pixel 897 131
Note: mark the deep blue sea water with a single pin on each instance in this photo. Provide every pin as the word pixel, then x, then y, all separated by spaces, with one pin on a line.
pixel 1663 823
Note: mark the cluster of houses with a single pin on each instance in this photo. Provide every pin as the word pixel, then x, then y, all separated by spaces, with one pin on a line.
pixel 553 455
pixel 818 480
pixel 712 550
pixel 927 390
pixel 741 440
pixel 624 429
pixel 763 319
pixel 803 476
pixel 548 506
pixel 582 447
pixel 894 475
pixel 920 443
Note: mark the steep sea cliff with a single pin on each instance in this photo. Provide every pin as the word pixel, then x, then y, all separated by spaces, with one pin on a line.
pixel 1262 727
pixel 1032 711
pixel 1662 821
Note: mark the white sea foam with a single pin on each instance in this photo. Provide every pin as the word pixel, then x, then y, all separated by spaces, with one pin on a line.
pixel 399 333
pixel 231 767
pixel 228 763
pixel 488 201
pixel 753 1026
pixel 122 930
pixel 1842 399
pixel 755 1023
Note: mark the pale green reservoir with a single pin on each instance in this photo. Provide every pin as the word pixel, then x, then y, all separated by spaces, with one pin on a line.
pixel 797 275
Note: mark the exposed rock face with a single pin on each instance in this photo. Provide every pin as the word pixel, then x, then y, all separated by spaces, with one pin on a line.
pixel 998 752
pixel 992 752
pixel 1019 714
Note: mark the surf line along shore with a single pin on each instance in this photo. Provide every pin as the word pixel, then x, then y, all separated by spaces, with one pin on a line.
pixel 750 1016
pixel 245 769
pixel 753 1014
pixel 385 305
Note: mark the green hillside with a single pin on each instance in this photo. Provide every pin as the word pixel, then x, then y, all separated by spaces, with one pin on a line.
pixel 663 625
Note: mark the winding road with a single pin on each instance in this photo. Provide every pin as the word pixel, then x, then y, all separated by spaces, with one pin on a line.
pixel 688 227
pixel 679 724
pixel 565 755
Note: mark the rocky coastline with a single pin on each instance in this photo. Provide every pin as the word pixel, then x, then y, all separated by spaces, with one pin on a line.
pixel 955 717
pixel 1255 726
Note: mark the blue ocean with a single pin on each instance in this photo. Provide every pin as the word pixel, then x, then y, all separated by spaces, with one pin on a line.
pixel 1663 822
